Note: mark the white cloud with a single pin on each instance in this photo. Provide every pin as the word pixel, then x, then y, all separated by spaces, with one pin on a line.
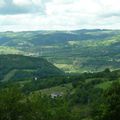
pixel 22 2
pixel 61 14
pixel 2 3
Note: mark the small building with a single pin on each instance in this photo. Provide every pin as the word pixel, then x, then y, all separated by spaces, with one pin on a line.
pixel 35 78
pixel 55 95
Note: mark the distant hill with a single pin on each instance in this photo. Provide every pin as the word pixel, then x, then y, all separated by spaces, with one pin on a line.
pixel 72 51
pixel 18 67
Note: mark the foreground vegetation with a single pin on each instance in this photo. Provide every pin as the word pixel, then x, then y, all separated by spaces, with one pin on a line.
pixel 15 105
pixel 88 96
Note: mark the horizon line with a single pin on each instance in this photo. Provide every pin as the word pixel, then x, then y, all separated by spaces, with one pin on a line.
pixel 57 30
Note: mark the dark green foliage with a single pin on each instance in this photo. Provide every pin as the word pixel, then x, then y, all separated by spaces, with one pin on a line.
pixel 16 106
pixel 86 93
pixel 22 75
pixel 75 105
pixel 27 67
pixel 11 103
pixel 107 70
pixel 109 107
pixel 45 83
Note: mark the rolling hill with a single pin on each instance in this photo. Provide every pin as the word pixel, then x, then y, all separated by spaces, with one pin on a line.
pixel 72 51
pixel 21 68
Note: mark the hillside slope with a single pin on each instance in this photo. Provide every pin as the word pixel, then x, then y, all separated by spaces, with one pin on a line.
pixel 23 67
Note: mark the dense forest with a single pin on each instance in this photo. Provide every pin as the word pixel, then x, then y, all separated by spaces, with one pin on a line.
pixel 25 67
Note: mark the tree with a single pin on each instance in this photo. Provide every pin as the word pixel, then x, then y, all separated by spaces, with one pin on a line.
pixel 109 109
pixel 14 105
pixel 11 104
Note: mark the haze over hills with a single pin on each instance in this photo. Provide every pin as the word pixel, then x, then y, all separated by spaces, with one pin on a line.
pixel 72 51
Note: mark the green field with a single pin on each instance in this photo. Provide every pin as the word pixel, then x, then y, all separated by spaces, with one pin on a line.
pixel 64 89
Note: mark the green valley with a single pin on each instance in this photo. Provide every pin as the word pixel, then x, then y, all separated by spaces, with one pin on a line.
pixel 72 51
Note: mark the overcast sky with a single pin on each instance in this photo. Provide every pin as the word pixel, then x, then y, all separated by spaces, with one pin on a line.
pixel 18 15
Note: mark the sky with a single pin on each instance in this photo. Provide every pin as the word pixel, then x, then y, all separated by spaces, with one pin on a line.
pixel 29 15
